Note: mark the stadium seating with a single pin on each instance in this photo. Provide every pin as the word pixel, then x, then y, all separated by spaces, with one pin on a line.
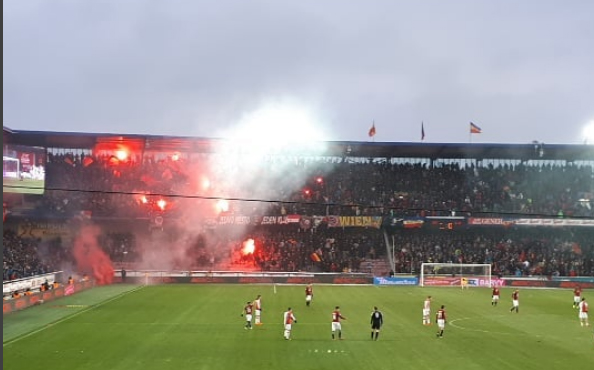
pixel 101 186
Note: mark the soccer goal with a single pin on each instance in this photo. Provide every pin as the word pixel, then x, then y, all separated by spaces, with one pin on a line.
pixel 11 167
pixel 455 274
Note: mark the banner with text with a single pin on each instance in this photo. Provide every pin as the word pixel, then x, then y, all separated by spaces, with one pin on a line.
pixel 395 280
pixel 354 221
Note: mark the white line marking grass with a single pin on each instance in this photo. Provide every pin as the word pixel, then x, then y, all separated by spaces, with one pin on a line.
pixel 9 342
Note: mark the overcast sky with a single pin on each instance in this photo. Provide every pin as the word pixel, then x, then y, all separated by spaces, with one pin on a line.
pixel 522 70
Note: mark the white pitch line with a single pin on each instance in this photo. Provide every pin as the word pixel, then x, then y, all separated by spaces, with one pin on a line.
pixel 483 331
pixel 7 343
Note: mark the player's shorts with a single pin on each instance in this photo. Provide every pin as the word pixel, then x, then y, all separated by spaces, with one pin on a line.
pixel 426 311
pixel 248 317
pixel 495 297
pixel 258 312
pixel 375 326
pixel 288 326
pixel 336 326
pixel 515 303
pixel 308 298
pixel 441 323
pixel 583 316
pixel 577 299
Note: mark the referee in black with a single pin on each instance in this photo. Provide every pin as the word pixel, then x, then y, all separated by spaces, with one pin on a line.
pixel 377 320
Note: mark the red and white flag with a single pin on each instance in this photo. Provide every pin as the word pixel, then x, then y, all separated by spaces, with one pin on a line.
pixel 69 289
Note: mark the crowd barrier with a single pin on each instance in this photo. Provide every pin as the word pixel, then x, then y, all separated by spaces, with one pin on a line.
pixel 236 277
pixel 16 304
pixel 530 282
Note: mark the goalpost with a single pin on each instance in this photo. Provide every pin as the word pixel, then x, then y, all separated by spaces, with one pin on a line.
pixel 11 167
pixel 454 274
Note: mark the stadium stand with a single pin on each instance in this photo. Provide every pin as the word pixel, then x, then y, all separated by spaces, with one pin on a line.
pixel 123 192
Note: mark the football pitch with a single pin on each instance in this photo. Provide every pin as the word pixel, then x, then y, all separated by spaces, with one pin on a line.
pixel 26 186
pixel 199 327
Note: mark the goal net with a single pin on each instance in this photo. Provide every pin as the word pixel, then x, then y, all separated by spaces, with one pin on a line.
pixel 455 274
pixel 11 167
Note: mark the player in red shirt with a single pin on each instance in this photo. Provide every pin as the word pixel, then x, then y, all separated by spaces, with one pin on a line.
pixel 440 319
pixel 577 296
pixel 308 294
pixel 515 301
pixel 495 296
pixel 247 311
pixel 336 325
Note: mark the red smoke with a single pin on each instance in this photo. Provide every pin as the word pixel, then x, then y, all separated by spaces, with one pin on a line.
pixel 89 256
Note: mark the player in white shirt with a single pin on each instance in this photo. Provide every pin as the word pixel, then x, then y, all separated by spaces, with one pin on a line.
pixel 583 312
pixel 427 311
pixel 288 320
pixel 258 309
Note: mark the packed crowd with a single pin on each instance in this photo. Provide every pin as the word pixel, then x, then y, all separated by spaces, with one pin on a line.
pixel 102 185
pixel 522 252
pixel 527 252
pixel 24 257
pixel 111 187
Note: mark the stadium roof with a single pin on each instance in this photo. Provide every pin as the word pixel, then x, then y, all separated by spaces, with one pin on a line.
pixel 77 140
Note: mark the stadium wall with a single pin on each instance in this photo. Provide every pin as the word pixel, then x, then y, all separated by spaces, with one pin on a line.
pixel 12 305
pixel 223 277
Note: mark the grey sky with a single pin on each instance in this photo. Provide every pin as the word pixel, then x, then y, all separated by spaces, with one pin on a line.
pixel 521 70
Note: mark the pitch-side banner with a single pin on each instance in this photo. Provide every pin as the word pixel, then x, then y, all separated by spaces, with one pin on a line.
pixel 455 281
pixel 395 281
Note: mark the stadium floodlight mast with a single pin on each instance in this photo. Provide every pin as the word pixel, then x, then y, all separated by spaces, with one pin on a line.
pixel 451 274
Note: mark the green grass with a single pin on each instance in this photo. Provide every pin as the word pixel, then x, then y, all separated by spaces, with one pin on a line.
pixel 26 186
pixel 199 327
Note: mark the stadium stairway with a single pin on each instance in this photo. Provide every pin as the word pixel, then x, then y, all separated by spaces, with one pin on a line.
pixel 376 267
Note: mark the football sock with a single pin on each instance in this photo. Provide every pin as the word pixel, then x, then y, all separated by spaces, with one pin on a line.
pixel 376 335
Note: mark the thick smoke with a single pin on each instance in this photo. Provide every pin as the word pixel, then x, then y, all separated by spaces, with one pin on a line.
pixel 90 257
pixel 258 160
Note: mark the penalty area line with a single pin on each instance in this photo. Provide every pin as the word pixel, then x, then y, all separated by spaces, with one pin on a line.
pixel 452 323
pixel 89 308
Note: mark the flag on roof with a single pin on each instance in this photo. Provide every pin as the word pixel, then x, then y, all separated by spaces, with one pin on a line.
pixel 474 129
pixel 422 131
pixel 372 130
